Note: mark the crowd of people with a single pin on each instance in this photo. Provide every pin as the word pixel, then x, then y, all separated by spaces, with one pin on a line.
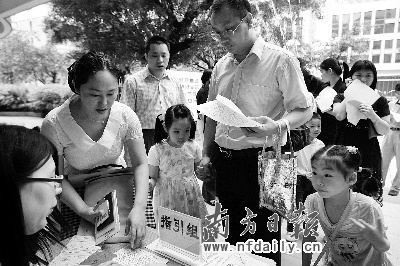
pixel 341 168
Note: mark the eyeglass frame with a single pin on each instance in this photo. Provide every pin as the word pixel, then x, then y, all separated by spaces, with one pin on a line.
pixel 56 179
pixel 228 30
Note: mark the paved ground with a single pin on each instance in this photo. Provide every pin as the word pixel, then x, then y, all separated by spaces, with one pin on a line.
pixel 391 205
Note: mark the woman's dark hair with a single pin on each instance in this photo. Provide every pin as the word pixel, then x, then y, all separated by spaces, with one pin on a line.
pixel 85 67
pixel 368 183
pixel 365 65
pixel 173 113
pixel 22 152
pixel 338 67
pixel 343 158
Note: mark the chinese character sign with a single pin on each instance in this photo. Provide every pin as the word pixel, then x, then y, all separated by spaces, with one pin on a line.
pixel 181 230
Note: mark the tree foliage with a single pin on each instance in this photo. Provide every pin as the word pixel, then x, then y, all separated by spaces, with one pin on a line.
pixel 347 48
pixel 278 18
pixel 119 28
pixel 21 61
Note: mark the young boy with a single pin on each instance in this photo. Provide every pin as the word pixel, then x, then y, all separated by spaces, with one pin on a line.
pixel 304 171
pixel 391 145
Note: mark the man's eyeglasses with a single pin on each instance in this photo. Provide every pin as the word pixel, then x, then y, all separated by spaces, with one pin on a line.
pixel 228 32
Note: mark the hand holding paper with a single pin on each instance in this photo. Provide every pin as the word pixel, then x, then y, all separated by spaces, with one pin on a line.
pixel 358 94
pixel 226 112
pixel 268 128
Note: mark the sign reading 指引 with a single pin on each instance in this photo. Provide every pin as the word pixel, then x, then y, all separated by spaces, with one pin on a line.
pixel 180 230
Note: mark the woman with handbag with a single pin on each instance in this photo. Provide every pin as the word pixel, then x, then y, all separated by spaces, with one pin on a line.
pixel 90 129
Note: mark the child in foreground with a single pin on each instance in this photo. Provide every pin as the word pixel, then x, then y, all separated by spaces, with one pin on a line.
pixel 172 161
pixel 360 238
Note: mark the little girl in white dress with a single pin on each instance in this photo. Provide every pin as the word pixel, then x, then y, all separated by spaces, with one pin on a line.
pixel 172 161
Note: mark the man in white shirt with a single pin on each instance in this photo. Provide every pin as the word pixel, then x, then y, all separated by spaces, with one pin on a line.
pixel 264 81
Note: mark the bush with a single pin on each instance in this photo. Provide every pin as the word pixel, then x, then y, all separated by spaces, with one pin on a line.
pixel 14 99
pixel 32 97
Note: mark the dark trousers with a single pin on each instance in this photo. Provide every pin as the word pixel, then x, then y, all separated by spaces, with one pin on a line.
pixel 237 188
pixel 148 136
pixel 304 188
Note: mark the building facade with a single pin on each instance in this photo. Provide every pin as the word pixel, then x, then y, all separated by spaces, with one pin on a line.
pixel 375 21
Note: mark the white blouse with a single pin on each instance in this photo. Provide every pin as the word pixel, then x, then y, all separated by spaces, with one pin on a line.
pixel 79 150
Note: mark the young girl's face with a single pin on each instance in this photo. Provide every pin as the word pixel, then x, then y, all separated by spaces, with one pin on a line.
pixel 314 126
pixel 179 132
pixel 365 76
pixel 327 180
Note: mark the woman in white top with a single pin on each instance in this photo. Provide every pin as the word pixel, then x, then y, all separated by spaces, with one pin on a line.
pixel 91 129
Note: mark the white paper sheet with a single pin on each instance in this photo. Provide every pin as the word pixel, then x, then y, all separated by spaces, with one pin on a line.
pixel 226 112
pixel 353 114
pixel 77 250
pixel 137 257
pixel 325 99
pixel 396 117
pixel 355 94
pixel 361 92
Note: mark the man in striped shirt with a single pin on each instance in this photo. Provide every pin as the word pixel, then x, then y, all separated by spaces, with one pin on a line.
pixel 151 91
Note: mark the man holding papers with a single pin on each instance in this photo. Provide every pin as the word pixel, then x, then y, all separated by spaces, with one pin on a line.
pixel 264 81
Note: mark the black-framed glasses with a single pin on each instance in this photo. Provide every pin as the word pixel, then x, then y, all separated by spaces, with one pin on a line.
pixel 228 32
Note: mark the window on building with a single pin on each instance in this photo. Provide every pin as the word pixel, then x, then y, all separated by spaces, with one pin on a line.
pixel 335 26
pixel 375 58
pixel 356 23
pixel 376 45
pixel 287 25
pixel 367 23
pixel 299 29
pixel 345 24
pixel 384 21
pixel 388 44
pixel 397 57
pixel 387 58
pixel 379 21
pixel 389 28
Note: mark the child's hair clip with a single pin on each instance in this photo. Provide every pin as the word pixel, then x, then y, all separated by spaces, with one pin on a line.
pixel 352 149
pixel 161 117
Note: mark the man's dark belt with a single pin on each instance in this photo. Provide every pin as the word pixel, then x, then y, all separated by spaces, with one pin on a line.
pixel 228 153
pixel 395 128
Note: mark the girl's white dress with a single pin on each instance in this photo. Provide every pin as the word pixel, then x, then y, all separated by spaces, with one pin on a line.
pixel 177 187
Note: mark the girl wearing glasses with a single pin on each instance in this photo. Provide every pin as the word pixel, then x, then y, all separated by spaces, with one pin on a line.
pixel 28 193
